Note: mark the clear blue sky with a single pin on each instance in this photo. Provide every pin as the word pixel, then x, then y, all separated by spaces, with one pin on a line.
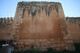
pixel 71 7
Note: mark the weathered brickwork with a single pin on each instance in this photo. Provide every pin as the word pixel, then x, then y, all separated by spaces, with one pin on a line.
pixel 41 24
pixel 73 24
pixel 6 28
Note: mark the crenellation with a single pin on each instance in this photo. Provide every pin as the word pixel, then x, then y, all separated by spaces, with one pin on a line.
pixel 36 6
pixel 8 20
pixel 39 10
pixel 1 20
pixel 73 20
pixel 5 21
pixel 47 11
pixel 33 12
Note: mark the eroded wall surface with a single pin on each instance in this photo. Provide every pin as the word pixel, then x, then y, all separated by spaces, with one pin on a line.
pixel 73 24
pixel 41 24
pixel 5 28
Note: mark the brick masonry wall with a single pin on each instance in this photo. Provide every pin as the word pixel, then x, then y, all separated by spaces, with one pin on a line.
pixel 41 24
pixel 73 24
pixel 5 28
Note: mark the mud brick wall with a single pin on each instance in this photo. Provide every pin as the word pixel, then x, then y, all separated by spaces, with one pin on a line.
pixel 41 24
pixel 5 28
pixel 73 24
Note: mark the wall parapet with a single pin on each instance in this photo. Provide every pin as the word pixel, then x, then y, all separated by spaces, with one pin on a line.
pixel 73 20
pixel 6 21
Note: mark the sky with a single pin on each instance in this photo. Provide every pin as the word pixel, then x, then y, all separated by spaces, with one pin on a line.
pixel 71 8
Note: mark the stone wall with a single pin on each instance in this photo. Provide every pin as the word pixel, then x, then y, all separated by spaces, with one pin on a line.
pixel 73 24
pixel 5 28
pixel 41 24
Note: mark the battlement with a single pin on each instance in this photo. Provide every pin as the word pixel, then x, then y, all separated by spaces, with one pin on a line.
pixel 23 3
pixel 6 21
pixel 73 20
pixel 38 6
pixel 34 9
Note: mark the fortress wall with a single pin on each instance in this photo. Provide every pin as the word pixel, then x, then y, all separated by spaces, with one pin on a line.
pixel 41 19
pixel 73 24
pixel 41 24
pixel 5 28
